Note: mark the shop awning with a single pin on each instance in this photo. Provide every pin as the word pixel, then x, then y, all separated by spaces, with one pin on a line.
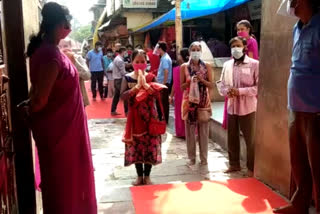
pixel 191 9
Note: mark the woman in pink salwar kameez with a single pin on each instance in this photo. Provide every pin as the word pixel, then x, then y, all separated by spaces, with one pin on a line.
pixel 58 120
pixel 177 94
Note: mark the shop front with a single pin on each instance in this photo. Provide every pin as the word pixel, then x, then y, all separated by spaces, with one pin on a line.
pixel 213 23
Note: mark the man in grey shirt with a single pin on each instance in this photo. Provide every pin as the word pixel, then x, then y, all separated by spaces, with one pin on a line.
pixel 118 72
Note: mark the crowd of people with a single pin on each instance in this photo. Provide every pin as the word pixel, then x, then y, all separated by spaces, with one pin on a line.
pixel 147 81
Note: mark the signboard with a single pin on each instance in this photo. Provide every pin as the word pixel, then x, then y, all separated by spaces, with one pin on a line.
pixel 255 9
pixel 140 3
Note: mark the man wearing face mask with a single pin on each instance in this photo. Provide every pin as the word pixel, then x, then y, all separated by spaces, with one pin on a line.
pixel 127 58
pixel 108 58
pixel 95 64
pixel 165 76
pixel 304 106
pixel 118 72
pixel 239 82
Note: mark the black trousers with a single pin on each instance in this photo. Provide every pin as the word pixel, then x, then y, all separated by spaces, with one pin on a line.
pixel 105 92
pixel 304 138
pixel 97 76
pixel 116 97
pixel 143 171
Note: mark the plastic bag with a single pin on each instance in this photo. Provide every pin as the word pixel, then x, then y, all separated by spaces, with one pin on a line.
pixel 194 93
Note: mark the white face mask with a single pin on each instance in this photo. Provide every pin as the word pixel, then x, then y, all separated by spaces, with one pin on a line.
pixel 195 55
pixel 100 49
pixel 237 53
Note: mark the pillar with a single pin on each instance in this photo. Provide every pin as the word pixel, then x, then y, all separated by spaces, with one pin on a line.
pixel 272 163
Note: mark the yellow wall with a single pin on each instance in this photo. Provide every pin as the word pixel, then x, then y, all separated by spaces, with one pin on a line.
pixel 30 18
pixel 137 19
pixel 31 22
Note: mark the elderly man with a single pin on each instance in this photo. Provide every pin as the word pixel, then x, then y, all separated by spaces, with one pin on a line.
pixel 304 107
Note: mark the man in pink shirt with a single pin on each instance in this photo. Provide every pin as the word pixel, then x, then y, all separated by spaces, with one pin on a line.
pixel 239 82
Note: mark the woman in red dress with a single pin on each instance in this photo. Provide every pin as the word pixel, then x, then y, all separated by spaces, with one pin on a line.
pixel 141 91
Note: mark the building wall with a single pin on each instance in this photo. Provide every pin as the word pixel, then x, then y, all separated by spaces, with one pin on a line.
pixel 31 8
pixel 137 19
pixel 20 19
pixel 219 25
pixel 110 7
pixel 138 39
pixel 272 164
pixel 117 4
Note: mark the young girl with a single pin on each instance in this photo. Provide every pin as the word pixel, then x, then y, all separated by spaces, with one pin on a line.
pixel 141 92
pixel 244 29
pixel 239 82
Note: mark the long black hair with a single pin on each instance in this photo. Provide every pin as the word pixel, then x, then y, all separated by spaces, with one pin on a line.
pixel 247 24
pixel 137 52
pixel 53 14
pixel 184 53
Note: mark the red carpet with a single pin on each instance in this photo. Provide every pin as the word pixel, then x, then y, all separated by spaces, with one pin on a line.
pixel 101 109
pixel 236 196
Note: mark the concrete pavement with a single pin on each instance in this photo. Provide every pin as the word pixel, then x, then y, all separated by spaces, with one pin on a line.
pixel 113 179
